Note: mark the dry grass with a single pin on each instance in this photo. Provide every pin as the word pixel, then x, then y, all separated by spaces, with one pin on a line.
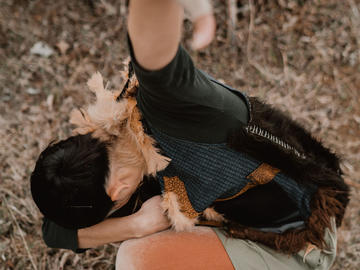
pixel 303 56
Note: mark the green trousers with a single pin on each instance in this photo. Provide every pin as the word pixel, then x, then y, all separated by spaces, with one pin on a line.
pixel 247 255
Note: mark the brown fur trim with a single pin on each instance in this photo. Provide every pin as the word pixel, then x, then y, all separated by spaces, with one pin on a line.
pixel 324 206
pixel 211 223
pixel 260 176
pixel 263 174
pixel 279 124
pixel 175 185
pixel 179 219
pixel 118 123
pixel 320 167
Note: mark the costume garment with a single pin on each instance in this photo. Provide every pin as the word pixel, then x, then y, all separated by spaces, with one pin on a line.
pixel 299 180
pixel 212 173
pixel 184 110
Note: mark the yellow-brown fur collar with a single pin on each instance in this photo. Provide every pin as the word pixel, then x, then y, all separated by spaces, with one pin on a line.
pixel 118 124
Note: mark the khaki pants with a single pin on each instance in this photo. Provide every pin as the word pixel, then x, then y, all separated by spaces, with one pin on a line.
pixel 210 249
pixel 249 255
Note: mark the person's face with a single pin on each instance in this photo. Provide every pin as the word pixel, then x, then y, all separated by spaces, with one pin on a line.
pixel 122 183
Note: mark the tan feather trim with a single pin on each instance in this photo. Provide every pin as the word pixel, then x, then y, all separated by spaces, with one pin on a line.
pixel 118 124
pixel 176 186
pixel 179 219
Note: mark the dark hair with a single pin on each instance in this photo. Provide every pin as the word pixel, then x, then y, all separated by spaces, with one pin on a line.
pixel 68 182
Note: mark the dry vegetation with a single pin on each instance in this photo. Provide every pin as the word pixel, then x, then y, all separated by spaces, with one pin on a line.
pixel 303 56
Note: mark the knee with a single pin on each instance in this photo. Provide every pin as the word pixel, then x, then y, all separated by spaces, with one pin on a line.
pixel 126 258
pixel 200 249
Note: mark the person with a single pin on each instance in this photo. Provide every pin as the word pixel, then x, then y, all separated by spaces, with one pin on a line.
pixel 184 107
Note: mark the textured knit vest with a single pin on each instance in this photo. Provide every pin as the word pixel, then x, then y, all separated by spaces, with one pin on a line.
pixel 215 171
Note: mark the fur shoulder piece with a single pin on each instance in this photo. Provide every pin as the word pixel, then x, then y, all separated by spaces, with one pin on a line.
pixel 274 138
pixel 118 123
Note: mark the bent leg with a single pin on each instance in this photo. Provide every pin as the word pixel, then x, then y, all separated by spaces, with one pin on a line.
pixel 200 249
pixel 246 254
pixel 205 249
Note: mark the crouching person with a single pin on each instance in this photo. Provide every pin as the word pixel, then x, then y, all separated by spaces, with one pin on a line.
pixel 280 192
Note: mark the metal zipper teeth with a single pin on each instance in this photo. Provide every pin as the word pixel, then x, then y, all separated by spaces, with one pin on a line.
pixel 265 134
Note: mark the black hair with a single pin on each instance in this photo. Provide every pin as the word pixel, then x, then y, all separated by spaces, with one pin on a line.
pixel 67 184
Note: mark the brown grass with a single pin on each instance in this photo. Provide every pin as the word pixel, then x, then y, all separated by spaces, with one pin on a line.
pixel 303 56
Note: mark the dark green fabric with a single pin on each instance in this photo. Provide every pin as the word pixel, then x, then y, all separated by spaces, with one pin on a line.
pixel 183 102
pixel 56 236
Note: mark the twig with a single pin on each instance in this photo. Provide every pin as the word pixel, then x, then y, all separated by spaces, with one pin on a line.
pixel 232 10
pixel 268 75
pixel 20 231
pixel 355 19
pixel 63 259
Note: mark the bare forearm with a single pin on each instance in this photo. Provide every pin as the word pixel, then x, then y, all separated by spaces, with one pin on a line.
pixel 109 231
pixel 154 27
pixel 149 219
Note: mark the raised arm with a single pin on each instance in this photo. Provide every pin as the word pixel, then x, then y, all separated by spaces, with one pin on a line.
pixel 154 27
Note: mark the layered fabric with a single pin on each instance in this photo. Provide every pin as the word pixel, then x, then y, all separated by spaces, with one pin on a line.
pixel 215 171
pixel 271 151
pixel 287 182
pixel 272 137
pixel 271 148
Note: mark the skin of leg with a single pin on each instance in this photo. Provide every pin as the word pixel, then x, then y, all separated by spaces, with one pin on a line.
pixel 199 249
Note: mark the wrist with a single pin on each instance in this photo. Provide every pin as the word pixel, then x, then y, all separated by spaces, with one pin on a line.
pixel 137 226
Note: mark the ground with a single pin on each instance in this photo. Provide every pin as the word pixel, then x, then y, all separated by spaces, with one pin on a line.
pixel 301 56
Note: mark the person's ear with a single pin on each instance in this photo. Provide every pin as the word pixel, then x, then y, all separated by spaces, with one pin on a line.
pixel 115 188
pixel 117 191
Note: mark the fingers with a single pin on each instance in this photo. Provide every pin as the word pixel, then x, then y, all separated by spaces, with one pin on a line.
pixel 204 31
pixel 200 12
